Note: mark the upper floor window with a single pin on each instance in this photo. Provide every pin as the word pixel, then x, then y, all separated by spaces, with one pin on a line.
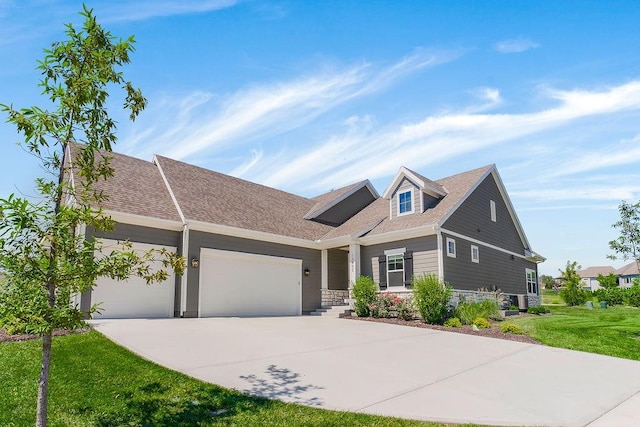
pixel 493 210
pixel 451 247
pixel 405 202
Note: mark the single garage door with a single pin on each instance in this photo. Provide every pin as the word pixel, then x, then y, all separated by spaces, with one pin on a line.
pixel 133 298
pixel 241 284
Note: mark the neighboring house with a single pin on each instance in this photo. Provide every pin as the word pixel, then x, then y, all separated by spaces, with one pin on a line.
pixel 590 276
pixel 253 250
pixel 627 274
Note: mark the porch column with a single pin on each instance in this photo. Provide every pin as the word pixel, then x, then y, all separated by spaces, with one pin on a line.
pixel 324 264
pixel 354 263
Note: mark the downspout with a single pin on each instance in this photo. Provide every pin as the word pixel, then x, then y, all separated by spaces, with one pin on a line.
pixel 183 280
pixel 440 252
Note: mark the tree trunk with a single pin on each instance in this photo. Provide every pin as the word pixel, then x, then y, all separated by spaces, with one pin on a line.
pixel 43 383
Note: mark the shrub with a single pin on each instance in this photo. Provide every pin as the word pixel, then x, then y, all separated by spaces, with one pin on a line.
pixel 482 323
pixel 633 294
pixel 511 328
pixel 391 305
pixel 431 298
pixel 572 292
pixel 467 312
pixel 453 322
pixel 364 292
pixel 513 308
pixel 537 310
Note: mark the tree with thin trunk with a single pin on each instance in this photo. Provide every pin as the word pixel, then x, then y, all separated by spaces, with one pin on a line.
pixel 44 255
pixel 627 245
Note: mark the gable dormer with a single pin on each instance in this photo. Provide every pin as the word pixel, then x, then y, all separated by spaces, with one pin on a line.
pixel 411 193
pixel 337 206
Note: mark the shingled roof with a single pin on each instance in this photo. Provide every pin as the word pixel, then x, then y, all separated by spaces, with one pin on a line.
pixel 212 197
pixel 630 269
pixel 135 188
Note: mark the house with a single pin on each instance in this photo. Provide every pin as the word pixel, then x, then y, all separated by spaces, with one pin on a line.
pixel 627 274
pixel 590 276
pixel 253 250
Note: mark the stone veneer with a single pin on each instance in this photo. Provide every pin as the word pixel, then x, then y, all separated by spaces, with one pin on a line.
pixel 534 300
pixel 331 297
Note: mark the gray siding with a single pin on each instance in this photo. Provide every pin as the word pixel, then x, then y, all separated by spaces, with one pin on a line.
pixel 139 234
pixel 495 269
pixel 404 185
pixel 425 256
pixel 338 269
pixel 311 259
pixel 347 208
pixel 473 219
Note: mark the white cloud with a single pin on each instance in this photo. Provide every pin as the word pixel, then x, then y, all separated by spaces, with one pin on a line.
pixel 127 11
pixel 246 166
pixel 515 45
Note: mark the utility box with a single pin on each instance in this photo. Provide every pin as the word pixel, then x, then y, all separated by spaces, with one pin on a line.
pixel 523 303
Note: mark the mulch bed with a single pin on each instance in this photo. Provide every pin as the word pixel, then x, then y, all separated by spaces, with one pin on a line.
pixel 493 332
pixel 4 337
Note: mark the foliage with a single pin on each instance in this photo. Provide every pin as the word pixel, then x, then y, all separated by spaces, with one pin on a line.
pixel 482 323
pixel 513 307
pixel 613 332
pixel 572 292
pixel 44 256
pixel 537 310
pixel 97 383
pixel 467 312
pixel 431 298
pixel 609 281
pixel 453 322
pixel 510 328
pixel 364 292
pixel 388 305
pixel 627 245
pixel 548 281
pixel 613 296
pixel 633 294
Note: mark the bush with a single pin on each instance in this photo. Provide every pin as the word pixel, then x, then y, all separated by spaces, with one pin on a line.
pixel 364 292
pixel 431 298
pixel 453 322
pixel 392 305
pixel 572 292
pixel 511 328
pixel 613 296
pixel 514 308
pixel 482 323
pixel 467 312
pixel 633 294
pixel 537 310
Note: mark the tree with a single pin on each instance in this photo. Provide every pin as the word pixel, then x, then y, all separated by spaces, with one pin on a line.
pixel 627 245
pixel 572 292
pixel 45 259
pixel 609 281
pixel 548 281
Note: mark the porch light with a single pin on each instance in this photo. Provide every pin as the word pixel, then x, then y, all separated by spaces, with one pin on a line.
pixel 195 262
pixel 307 271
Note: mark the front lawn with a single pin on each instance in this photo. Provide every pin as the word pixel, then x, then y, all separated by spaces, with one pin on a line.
pixel 97 383
pixel 614 331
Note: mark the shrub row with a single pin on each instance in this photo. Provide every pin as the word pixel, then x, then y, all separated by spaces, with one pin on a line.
pixel 619 296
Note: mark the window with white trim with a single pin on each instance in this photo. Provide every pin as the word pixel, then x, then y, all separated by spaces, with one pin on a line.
pixel 493 210
pixel 451 247
pixel 405 202
pixel 475 254
pixel 532 282
pixel 395 270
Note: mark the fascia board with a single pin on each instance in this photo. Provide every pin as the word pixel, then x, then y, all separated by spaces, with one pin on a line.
pixel 252 234
pixel 144 221
pixel 510 208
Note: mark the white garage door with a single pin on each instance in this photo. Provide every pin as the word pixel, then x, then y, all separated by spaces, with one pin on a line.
pixel 240 284
pixel 133 298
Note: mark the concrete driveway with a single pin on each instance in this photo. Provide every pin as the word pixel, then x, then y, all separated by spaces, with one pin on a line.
pixel 392 370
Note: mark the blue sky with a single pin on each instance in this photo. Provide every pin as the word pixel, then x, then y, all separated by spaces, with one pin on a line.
pixel 306 96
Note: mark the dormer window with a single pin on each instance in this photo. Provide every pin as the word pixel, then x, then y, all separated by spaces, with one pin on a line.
pixel 405 202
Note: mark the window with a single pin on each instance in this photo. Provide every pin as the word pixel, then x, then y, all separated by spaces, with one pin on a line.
pixel 532 282
pixel 405 202
pixel 475 254
pixel 451 247
pixel 493 210
pixel 395 270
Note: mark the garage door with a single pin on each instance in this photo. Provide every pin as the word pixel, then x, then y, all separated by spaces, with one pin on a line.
pixel 133 297
pixel 241 284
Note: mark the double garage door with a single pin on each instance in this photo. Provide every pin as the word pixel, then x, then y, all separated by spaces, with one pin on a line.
pixel 230 284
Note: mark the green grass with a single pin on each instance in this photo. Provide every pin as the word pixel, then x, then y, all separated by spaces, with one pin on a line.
pixel 614 331
pixel 97 383
pixel 549 296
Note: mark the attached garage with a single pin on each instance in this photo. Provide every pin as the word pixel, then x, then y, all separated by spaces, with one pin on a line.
pixel 133 298
pixel 242 284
